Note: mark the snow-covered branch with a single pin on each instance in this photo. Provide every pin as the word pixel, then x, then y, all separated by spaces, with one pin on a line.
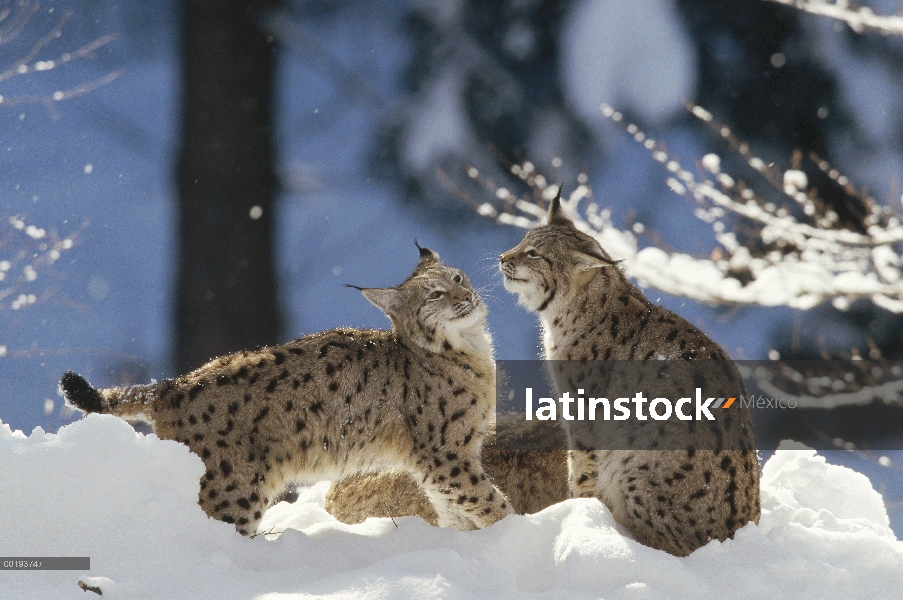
pixel 26 251
pixel 12 23
pixel 859 19
pixel 828 383
pixel 791 249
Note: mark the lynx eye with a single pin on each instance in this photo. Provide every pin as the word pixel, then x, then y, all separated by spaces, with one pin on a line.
pixel 435 295
pixel 458 278
pixel 532 253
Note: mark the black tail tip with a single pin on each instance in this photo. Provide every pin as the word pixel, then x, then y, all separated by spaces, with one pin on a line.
pixel 79 392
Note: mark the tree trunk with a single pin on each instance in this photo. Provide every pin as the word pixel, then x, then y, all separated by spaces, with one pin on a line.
pixel 226 292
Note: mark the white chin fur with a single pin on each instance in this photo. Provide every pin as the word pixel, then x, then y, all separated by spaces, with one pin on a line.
pixel 511 285
pixel 469 332
pixel 527 295
pixel 472 318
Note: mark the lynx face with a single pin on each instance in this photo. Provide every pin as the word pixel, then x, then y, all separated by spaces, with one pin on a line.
pixel 435 308
pixel 547 263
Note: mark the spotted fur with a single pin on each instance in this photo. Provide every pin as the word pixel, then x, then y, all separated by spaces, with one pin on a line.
pixel 673 500
pixel 418 398
pixel 531 479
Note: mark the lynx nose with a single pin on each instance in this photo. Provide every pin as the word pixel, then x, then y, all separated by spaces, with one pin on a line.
pixel 505 257
pixel 465 297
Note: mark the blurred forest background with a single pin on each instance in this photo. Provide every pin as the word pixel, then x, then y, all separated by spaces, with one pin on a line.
pixel 184 179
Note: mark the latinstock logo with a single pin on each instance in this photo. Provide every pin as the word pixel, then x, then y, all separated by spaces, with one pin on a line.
pixel 694 405
pixel 620 409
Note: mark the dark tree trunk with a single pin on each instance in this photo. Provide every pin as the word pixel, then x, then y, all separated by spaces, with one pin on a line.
pixel 226 294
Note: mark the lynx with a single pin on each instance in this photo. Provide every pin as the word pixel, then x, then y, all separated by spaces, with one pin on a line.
pixel 418 398
pixel 531 479
pixel 675 500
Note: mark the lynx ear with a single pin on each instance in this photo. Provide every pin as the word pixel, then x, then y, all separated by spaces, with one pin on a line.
pixel 592 260
pixel 556 213
pixel 385 299
pixel 426 255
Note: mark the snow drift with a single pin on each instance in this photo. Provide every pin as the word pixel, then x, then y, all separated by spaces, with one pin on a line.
pixel 128 501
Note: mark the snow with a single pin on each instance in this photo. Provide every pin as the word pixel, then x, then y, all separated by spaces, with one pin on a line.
pixel 128 501
pixel 858 18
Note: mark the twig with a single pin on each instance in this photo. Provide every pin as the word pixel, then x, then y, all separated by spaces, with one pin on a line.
pixel 270 532
pixel 20 67
pixel 28 63
pixel 90 588
pixel 18 22
pixel 58 96
pixel 389 514
pixel 859 19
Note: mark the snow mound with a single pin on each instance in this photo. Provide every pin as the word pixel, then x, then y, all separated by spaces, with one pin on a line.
pixel 128 501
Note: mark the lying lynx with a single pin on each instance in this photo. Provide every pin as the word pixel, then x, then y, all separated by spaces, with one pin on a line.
pixel 418 398
pixel 531 479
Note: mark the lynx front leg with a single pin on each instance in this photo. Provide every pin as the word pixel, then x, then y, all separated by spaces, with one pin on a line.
pixel 583 473
pixel 463 496
pixel 238 500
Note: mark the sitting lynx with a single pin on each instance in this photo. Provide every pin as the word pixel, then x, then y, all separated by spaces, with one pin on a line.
pixel 675 500
pixel 418 398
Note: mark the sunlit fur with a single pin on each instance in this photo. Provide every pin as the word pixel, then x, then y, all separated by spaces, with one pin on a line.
pixel 547 266
pixel 590 311
pixel 417 399
pixel 436 307
pixel 456 317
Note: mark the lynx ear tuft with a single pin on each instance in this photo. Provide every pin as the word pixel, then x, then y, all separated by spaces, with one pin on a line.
pixel 426 255
pixel 556 212
pixel 385 299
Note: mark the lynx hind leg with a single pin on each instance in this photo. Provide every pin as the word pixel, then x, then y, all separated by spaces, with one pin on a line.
pixel 386 494
pixel 531 479
pixel 462 494
pixel 236 498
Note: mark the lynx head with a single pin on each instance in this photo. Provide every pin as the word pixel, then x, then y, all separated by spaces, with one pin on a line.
pixel 436 307
pixel 554 260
